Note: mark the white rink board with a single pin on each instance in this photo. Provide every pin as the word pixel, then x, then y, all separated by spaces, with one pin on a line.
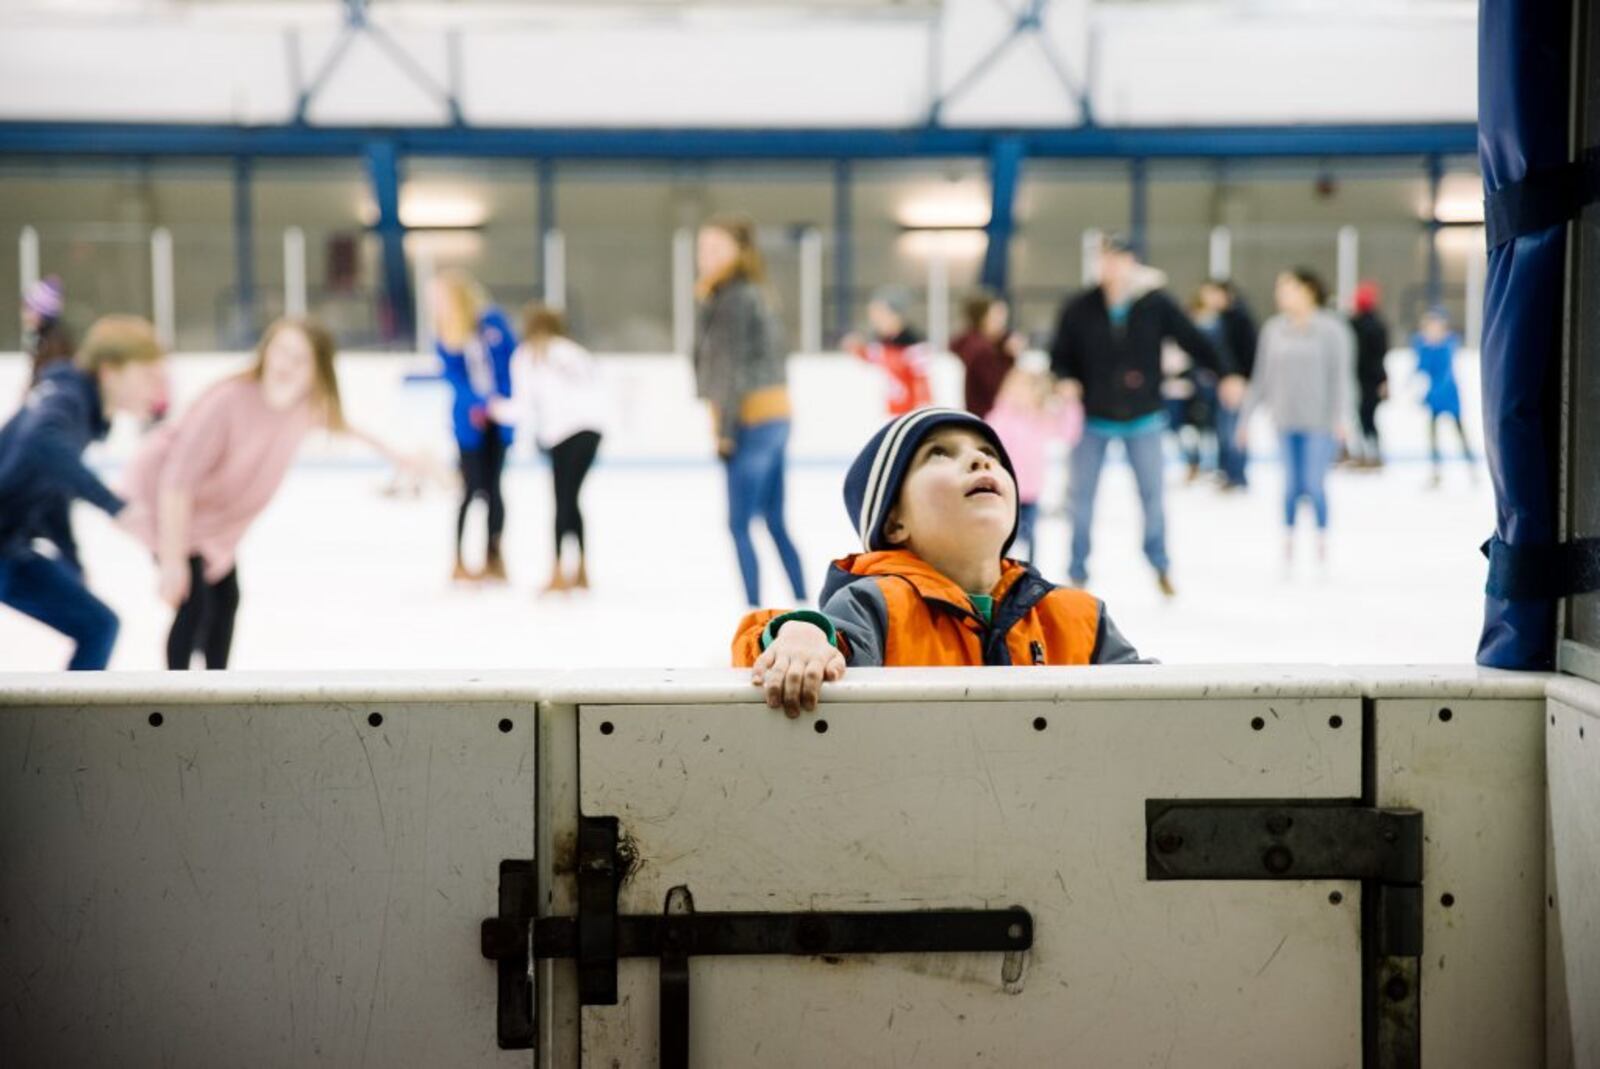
pixel 1477 775
pixel 929 805
pixel 1574 891
pixel 257 884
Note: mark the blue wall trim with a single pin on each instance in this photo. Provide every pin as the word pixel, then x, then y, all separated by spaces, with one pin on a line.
pixel 1005 172
pixel 134 139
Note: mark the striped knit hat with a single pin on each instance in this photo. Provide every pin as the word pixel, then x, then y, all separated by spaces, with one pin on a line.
pixel 872 485
pixel 45 298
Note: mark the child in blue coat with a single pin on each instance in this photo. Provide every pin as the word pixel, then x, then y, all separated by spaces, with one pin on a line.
pixel 474 341
pixel 1435 345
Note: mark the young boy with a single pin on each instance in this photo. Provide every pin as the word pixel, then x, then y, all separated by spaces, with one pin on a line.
pixel 897 348
pixel 934 499
pixel 1435 345
pixel 119 369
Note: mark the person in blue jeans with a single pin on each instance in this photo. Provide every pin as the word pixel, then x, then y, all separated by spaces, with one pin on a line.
pixel 740 369
pixel 755 472
pixel 1227 320
pixel 1107 350
pixel 1304 376
pixel 120 368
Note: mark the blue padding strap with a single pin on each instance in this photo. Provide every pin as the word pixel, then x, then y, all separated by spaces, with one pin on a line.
pixel 1542 200
pixel 1525 573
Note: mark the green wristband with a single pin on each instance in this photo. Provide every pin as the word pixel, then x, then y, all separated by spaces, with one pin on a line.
pixel 808 616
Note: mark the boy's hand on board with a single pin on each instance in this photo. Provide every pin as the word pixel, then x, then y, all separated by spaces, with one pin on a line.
pixel 793 669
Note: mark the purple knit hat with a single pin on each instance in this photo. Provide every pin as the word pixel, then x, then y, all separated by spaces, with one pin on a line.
pixel 45 298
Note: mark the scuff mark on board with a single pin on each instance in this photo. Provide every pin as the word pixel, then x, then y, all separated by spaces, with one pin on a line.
pixel 1273 956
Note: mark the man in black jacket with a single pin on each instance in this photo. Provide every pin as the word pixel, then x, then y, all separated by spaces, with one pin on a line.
pixel 1107 351
pixel 119 368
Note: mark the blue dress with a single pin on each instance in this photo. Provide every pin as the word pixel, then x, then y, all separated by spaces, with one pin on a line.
pixel 1437 361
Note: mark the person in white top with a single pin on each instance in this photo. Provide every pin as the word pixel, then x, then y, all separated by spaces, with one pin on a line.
pixel 556 383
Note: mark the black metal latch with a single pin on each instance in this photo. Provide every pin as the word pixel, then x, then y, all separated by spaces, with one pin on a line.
pixel 598 937
pixel 1255 839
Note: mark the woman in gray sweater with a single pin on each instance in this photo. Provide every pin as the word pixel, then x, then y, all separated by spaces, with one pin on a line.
pixel 740 369
pixel 1302 376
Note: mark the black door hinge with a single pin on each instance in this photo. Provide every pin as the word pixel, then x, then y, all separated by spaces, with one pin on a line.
pixel 1301 839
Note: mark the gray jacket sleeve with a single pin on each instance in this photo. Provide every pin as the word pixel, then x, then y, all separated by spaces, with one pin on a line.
pixel 861 615
pixel 1110 647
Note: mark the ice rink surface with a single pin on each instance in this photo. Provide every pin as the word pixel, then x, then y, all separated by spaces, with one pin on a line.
pixel 335 575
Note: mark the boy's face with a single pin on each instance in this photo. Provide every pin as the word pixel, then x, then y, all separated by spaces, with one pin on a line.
pixel 138 388
pixel 957 500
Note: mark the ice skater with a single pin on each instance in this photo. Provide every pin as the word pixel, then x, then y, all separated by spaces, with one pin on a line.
pixel 897 348
pixel 1372 347
pixel 1028 415
pixel 988 348
pixel 1107 351
pixel 1226 319
pixel 556 383
pixel 474 341
pixel 47 339
pixel 1435 345
pixel 120 368
pixel 200 481
pixel 740 369
pixel 1303 377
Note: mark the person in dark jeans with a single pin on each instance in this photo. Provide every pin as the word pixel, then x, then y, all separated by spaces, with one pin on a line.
pixel 570 461
pixel 204 621
pixel 1372 347
pixel 474 345
pixel 1234 331
pixel 119 368
pixel 1107 351
pixel 740 369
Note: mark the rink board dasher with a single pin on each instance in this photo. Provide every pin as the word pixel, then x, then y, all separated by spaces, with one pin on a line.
pixel 269 871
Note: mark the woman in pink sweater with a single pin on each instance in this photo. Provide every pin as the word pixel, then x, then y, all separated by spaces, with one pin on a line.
pixel 204 477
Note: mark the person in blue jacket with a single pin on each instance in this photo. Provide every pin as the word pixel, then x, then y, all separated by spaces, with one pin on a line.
pixel 475 341
pixel 120 368
pixel 1436 346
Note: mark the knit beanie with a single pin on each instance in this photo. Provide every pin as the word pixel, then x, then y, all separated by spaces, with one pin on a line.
pixel 1367 296
pixel 872 485
pixel 895 298
pixel 45 298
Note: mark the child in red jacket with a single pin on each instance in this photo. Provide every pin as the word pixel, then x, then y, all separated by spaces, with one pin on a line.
pixel 934 499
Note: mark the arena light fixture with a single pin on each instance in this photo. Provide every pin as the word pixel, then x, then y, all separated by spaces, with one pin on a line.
pixel 1460 201
pixel 954 207
pixel 949 242
pixel 423 208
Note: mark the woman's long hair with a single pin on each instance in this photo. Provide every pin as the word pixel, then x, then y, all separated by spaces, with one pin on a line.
pixel 464 301
pixel 748 265
pixel 325 381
